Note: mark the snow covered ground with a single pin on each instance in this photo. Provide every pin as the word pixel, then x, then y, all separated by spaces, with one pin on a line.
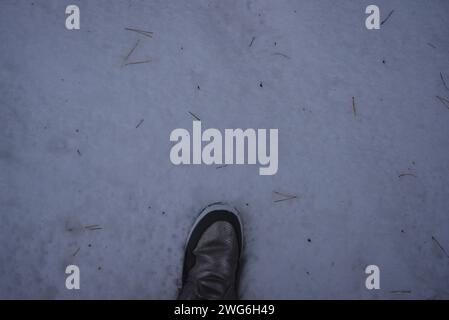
pixel 84 181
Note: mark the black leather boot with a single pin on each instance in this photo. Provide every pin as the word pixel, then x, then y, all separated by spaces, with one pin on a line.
pixel 212 255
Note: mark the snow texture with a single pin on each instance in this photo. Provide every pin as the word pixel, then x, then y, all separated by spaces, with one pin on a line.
pixel 85 174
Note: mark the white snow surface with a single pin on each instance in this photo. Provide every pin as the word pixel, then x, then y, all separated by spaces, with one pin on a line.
pixel 80 184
